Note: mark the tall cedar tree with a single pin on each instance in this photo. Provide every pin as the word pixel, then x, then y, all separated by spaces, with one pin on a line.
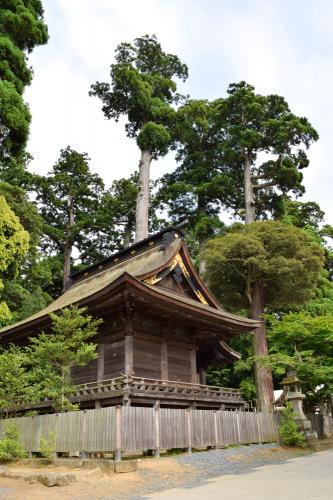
pixel 244 152
pixel 263 145
pixel 68 201
pixel 143 89
pixel 21 29
pixel 252 126
pixel 284 262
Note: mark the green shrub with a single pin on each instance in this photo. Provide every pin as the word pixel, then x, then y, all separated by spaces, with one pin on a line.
pixel 11 447
pixel 47 446
pixel 288 430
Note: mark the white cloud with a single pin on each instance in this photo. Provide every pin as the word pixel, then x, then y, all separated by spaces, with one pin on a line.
pixel 280 47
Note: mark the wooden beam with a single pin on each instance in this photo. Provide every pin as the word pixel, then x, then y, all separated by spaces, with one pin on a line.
pixel 164 361
pixel 193 360
pixel 100 362
pixel 129 355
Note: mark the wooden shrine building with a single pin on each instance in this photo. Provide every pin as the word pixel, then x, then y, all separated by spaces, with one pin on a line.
pixel 161 329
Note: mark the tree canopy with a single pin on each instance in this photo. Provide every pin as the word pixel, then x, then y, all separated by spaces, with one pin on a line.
pixel 144 90
pixel 68 200
pixel 52 355
pixel 262 266
pixel 21 29
pixel 244 152
pixel 14 245
pixel 283 259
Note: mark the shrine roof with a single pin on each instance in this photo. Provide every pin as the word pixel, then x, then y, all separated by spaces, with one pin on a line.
pixel 146 263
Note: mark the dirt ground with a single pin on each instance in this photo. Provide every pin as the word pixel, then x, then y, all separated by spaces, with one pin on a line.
pixel 152 475
pixel 92 484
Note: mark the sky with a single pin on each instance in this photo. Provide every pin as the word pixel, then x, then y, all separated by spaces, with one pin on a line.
pixel 278 46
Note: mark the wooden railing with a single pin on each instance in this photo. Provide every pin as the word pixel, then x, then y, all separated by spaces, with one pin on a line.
pixel 140 385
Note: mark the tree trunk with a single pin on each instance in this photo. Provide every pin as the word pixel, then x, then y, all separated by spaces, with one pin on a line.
pixel 263 376
pixel 127 235
pixel 250 215
pixel 202 211
pixel 68 246
pixel 142 201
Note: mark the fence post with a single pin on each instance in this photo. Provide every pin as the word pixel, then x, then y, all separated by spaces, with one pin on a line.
pixel 257 417
pixel 157 431
pixel 238 427
pixel 83 451
pixel 189 430
pixel 215 430
pixel 117 437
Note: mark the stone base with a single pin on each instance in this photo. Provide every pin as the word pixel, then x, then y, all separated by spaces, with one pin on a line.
pixel 126 466
pixel 104 465
pixel 46 478
pixel 303 425
pixel 321 445
pixel 108 466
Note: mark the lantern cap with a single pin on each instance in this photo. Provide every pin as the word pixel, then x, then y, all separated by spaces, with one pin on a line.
pixel 291 379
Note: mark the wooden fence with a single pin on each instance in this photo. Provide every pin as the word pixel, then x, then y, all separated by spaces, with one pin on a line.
pixel 317 423
pixel 135 429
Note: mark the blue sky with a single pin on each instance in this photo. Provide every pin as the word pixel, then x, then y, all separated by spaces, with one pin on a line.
pixel 283 47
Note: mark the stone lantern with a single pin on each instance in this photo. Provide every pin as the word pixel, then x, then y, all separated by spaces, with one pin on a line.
pixel 293 393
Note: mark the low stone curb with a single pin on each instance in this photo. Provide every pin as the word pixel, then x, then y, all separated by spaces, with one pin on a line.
pixel 46 478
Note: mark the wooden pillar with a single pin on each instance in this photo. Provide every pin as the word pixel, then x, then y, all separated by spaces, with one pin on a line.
pixel 164 361
pixel 193 360
pixel 100 362
pixel 202 376
pixel 129 353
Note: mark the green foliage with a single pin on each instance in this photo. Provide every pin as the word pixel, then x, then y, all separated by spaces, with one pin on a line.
pixel 283 259
pixel 306 215
pixel 53 354
pixel 22 301
pixel 239 373
pixel 14 244
pixel 114 220
pixel 16 384
pixel 26 210
pixel 11 447
pixel 196 190
pixel 288 430
pixel 22 22
pixel 14 118
pixel 47 446
pixel 21 28
pixel 143 89
pixel 251 125
pixel 14 240
pixel 303 342
pixel 213 141
pixel 68 200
